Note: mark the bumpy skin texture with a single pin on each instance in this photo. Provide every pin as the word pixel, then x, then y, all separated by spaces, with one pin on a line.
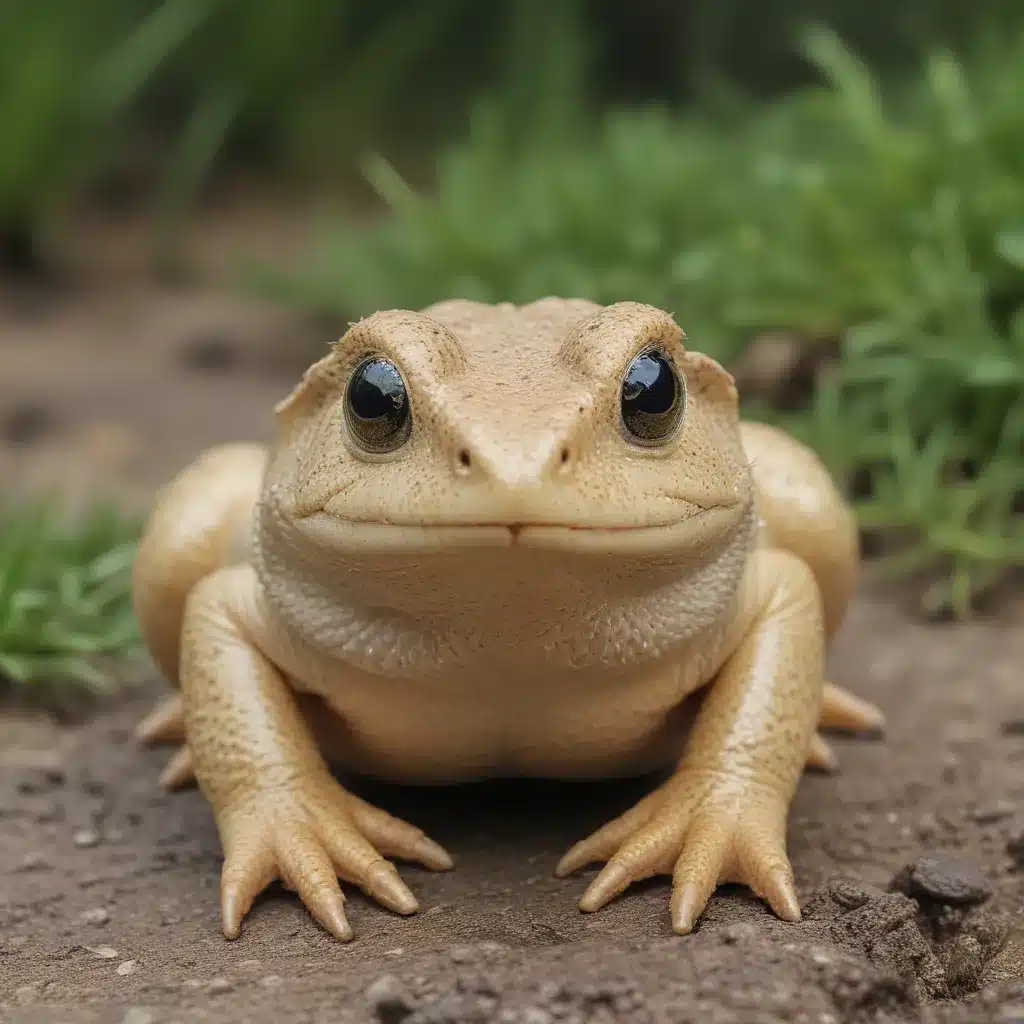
pixel 518 589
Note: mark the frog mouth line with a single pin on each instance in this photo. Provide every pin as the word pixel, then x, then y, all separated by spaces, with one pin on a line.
pixel 693 530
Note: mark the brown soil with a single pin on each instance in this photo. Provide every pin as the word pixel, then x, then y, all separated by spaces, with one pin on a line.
pixel 108 887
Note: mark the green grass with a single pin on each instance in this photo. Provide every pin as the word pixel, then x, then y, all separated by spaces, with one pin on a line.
pixel 891 218
pixel 65 599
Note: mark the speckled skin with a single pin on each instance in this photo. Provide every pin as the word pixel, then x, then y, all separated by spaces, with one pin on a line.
pixel 517 590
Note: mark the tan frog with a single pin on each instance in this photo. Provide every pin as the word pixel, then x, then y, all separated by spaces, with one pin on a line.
pixel 496 541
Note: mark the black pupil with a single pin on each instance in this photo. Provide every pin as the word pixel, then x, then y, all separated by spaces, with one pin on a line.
pixel 378 406
pixel 650 397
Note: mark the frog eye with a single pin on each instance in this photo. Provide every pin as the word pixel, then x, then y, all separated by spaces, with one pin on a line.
pixel 652 398
pixel 377 406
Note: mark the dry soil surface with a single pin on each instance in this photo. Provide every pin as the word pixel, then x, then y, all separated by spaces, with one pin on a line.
pixel 108 887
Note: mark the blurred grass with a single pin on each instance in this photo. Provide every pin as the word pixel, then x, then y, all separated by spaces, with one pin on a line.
pixel 65 599
pixel 71 76
pixel 178 86
pixel 161 94
pixel 891 219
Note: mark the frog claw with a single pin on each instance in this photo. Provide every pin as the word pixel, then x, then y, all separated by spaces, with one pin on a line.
pixel 701 835
pixel 180 771
pixel 843 710
pixel 164 724
pixel 309 833
pixel 821 756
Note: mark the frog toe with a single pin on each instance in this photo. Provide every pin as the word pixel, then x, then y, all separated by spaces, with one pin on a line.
pixel 164 724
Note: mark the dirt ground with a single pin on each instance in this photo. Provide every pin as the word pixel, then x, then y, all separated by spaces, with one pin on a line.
pixel 108 887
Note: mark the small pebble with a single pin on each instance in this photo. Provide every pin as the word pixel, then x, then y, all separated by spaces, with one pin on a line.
pixel 95 915
pixel 126 967
pixel 460 954
pixel 137 1015
pixel 85 837
pixel 33 861
pixel 218 986
pixel 103 952
pixel 270 980
pixel 397 951
pixel 389 1000
pixel 946 880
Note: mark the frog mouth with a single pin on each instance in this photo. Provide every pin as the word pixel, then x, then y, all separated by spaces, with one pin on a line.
pixel 702 526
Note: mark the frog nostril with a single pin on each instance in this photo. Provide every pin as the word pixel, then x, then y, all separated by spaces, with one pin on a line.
pixel 564 457
pixel 465 460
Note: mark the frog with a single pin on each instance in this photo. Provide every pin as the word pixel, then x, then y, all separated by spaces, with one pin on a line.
pixel 493 541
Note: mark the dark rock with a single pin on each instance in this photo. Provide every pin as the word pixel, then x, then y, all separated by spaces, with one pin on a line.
pixel 944 880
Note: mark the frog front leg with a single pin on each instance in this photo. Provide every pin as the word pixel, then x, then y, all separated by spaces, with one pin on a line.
pixel 721 817
pixel 279 811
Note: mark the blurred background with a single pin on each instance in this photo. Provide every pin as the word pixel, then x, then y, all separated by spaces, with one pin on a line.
pixel 196 195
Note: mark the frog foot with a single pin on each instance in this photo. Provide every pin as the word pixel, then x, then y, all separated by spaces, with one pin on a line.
pixel 308 832
pixel 704 829
pixel 841 711
pixel 164 724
